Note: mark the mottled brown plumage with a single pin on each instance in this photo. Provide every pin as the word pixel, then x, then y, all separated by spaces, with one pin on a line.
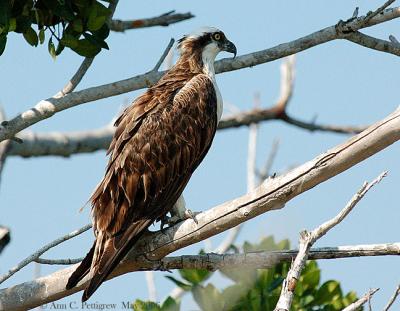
pixel 158 143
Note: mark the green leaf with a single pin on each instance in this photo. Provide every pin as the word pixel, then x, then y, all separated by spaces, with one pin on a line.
pixel 98 15
pixel 140 305
pixel 181 284
pixel 194 276
pixel 96 22
pixel 12 25
pixel 311 276
pixel 170 304
pixel 95 41
pixel 3 42
pixel 52 48
pixel 86 48
pixel 69 41
pixel 41 36
pixel 242 275
pixel 327 292
pixel 31 37
pixel 77 25
pixel 208 298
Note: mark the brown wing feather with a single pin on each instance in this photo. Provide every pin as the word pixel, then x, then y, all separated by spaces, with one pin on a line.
pixel 158 143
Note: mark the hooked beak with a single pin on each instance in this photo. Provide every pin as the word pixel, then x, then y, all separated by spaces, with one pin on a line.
pixel 229 47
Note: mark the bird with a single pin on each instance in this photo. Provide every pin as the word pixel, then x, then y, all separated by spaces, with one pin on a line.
pixel 159 141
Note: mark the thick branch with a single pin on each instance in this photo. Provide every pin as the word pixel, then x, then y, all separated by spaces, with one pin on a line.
pixel 259 260
pixel 272 194
pixel 47 108
pixel 162 20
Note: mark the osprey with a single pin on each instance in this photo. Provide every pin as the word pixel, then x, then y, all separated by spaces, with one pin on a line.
pixel 159 141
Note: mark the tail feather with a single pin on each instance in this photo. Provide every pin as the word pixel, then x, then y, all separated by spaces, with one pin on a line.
pixel 113 252
pixel 82 270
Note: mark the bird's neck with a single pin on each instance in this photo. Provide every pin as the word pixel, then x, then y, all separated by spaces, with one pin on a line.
pixel 208 59
pixel 198 62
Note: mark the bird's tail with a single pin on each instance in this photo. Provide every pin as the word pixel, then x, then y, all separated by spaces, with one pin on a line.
pixel 105 255
pixel 82 270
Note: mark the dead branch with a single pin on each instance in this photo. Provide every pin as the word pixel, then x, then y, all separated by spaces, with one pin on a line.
pixel 260 260
pixel 307 239
pixel 41 251
pixel 47 108
pixel 366 298
pixel 392 299
pixel 271 195
pixel 165 19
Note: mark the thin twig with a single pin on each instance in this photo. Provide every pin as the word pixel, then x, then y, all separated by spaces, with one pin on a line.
pixel 76 78
pixel 162 20
pixel 287 82
pixel 83 68
pixel 379 10
pixel 307 239
pixel 164 55
pixel 392 299
pixel 357 304
pixel 42 250
pixel 266 170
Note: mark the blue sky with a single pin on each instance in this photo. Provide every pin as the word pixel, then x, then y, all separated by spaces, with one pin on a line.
pixel 339 82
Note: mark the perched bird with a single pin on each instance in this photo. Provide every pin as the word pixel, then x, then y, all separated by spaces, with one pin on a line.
pixel 159 141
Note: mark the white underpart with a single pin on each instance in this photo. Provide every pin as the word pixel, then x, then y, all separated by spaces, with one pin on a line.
pixel 180 206
pixel 208 57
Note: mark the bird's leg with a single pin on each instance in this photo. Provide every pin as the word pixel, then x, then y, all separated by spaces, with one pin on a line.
pixel 179 213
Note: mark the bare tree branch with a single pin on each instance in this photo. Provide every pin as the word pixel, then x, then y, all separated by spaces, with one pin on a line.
pixel 76 78
pixel 374 43
pixel 366 298
pixel 66 144
pixel 266 170
pixel 69 143
pixel 42 250
pixel 260 259
pixel 47 108
pixel 392 299
pixel 307 239
pixel 162 20
pixel 271 195
pixel 83 68
pixel 164 55
pixel 151 287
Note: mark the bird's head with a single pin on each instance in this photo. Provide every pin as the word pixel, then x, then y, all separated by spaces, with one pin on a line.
pixel 208 41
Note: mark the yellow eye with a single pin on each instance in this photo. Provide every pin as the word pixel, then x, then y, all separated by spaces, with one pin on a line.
pixel 217 36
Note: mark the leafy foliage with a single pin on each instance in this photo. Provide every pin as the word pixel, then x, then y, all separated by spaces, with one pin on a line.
pixel 256 290
pixel 77 24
